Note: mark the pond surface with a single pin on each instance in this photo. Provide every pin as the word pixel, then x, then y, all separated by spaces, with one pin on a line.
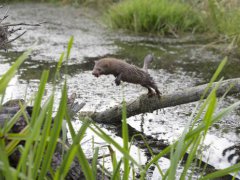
pixel 179 64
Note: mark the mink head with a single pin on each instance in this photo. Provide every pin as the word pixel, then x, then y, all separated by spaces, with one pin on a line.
pixel 100 68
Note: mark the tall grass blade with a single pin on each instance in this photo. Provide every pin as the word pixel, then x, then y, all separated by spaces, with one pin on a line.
pixel 14 119
pixel 148 148
pixel 11 72
pixel 98 131
pixel 5 168
pixel 213 79
pixel 11 146
pixel 94 162
pixel 55 131
pixel 39 154
pixel 191 156
pixel 223 172
pixel 116 171
pixel 32 137
pixel 114 162
pixel 72 152
pixel 125 140
pixel 70 43
pixel 176 155
pixel 211 108
pixel 37 126
pixel 84 164
pixel 38 99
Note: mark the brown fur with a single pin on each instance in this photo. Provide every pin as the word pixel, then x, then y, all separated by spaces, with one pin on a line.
pixel 125 72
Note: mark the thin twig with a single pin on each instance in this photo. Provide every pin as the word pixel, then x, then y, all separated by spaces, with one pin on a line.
pixel 5 15
pixel 14 30
pixel 23 24
pixel 16 37
pixel 6 32
pixel 2 44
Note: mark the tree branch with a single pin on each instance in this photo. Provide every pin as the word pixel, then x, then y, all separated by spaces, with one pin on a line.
pixel 143 104
pixel 6 32
pixel 23 24
pixel 11 40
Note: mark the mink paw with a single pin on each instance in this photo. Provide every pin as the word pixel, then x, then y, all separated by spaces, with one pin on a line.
pixel 117 82
pixel 150 94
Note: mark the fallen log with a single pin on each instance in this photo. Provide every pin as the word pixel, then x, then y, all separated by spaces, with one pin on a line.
pixel 144 104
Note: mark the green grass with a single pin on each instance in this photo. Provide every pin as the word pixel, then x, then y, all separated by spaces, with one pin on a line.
pixel 224 20
pixel 161 16
pixel 172 17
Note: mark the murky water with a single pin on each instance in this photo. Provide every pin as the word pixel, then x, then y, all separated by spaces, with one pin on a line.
pixel 179 64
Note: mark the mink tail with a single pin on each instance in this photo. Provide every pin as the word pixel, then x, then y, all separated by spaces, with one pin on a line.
pixel 147 60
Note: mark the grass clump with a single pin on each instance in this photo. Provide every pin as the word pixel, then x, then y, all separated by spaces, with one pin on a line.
pixel 162 16
pixel 224 20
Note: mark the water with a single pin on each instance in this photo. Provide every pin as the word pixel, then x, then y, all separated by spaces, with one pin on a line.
pixel 179 64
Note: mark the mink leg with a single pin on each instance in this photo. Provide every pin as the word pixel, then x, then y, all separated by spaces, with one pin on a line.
pixel 150 91
pixel 156 90
pixel 118 79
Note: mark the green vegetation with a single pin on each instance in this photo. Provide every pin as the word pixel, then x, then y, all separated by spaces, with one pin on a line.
pixel 224 20
pixel 161 16
pixel 175 17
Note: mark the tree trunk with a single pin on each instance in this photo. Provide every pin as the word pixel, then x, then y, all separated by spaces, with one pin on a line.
pixel 144 104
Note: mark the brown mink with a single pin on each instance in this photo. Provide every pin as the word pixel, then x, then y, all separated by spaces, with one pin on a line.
pixel 127 72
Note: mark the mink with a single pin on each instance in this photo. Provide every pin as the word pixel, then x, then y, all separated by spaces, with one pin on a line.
pixel 127 72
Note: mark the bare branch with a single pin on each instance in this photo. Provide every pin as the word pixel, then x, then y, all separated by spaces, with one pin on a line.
pixel 5 15
pixel 14 30
pixel 16 37
pixel 23 24
pixel 6 31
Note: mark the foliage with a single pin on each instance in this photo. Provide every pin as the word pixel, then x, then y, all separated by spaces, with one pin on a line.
pixel 162 16
pixel 174 17
pixel 224 20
